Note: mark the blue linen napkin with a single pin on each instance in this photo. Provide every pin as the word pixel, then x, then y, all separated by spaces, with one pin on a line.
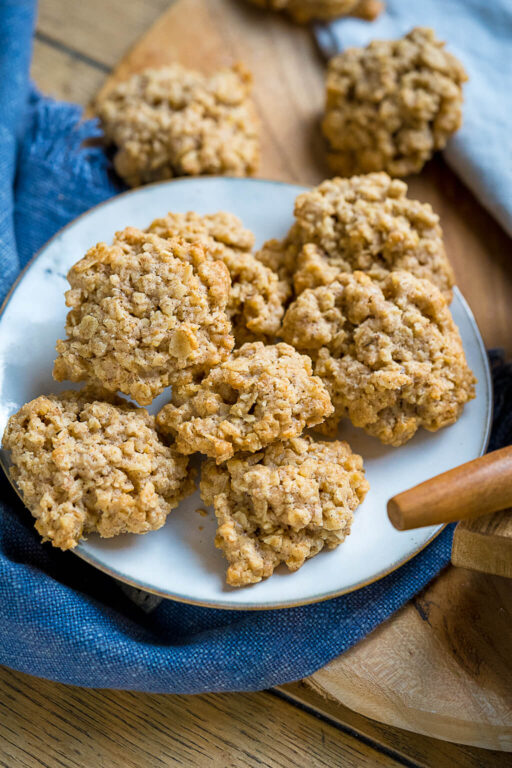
pixel 60 618
pixel 479 33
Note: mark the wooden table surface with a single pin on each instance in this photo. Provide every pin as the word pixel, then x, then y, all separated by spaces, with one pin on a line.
pixel 46 724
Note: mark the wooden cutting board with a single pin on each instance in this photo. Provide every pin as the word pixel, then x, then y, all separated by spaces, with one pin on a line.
pixel 441 665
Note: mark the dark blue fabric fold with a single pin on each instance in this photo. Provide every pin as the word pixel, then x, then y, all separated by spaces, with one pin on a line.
pixel 59 617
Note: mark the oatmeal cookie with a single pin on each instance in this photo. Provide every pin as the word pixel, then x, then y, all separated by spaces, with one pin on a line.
pixel 281 257
pixel 391 105
pixel 177 122
pixel 389 353
pixel 282 505
pixel 85 465
pixel 256 297
pixel 303 11
pixel 259 395
pixel 367 223
pixel 144 311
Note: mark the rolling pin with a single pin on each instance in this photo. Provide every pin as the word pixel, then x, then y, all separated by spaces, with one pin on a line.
pixel 477 488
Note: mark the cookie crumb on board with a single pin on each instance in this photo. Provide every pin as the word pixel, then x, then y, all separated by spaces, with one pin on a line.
pixel 303 11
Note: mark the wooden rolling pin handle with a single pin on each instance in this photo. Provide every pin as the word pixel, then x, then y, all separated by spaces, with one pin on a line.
pixel 473 489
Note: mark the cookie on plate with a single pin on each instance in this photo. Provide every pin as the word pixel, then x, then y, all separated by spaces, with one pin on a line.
pixel 256 297
pixel 388 352
pixel 91 462
pixel 391 105
pixel 365 223
pixel 177 122
pixel 281 256
pixel 282 505
pixel 145 311
pixel 259 395
pixel 303 11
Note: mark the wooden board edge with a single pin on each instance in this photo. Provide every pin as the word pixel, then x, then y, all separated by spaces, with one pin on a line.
pixel 419 749
pixel 342 686
pixel 482 552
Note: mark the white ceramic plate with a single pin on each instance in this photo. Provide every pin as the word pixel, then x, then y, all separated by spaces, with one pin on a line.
pixel 180 561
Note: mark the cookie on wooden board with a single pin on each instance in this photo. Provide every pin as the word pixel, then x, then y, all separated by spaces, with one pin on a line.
pixel 391 105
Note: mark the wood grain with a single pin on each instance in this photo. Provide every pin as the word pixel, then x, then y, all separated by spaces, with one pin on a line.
pixel 48 725
pixel 421 750
pixel 451 629
pixel 62 75
pixel 102 31
pixel 440 667
pixel 485 544
pixel 468 491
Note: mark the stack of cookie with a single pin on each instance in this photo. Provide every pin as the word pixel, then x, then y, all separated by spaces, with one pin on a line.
pixel 358 290
pixel 174 306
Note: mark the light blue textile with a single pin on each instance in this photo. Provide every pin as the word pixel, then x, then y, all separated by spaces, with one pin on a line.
pixel 59 617
pixel 479 33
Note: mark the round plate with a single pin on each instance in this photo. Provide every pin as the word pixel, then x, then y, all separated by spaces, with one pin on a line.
pixel 180 560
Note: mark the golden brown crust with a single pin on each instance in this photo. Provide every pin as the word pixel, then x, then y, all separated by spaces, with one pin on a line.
pixel 303 11
pixel 259 395
pixel 391 105
pixel 282 505
pixel 177 122
pixel 256 296
pixel 389 353
pixel 85 465
pixel 144 310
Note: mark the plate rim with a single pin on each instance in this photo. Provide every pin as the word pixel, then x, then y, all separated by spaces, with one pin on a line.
pixel 166 594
